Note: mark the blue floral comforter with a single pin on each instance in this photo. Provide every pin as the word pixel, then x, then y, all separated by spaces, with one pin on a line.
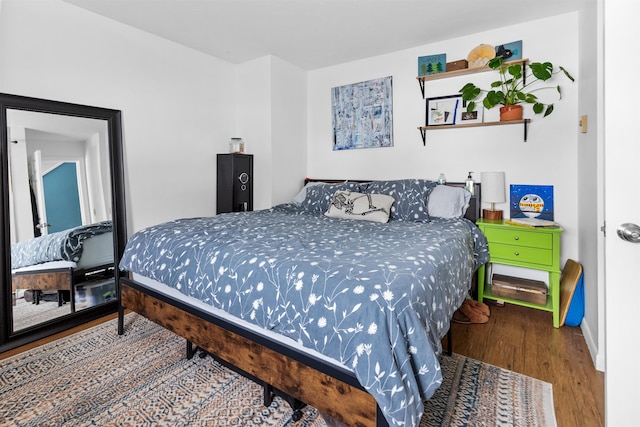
pixel 63 245
pixel 376 297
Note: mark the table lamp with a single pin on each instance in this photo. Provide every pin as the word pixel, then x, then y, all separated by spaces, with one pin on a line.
pixel 492 192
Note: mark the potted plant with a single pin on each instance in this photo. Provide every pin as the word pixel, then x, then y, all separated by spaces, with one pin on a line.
pixel 515 87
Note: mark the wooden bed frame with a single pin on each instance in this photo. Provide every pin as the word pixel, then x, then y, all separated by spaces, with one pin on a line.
pixel 332 390
pixel 58 279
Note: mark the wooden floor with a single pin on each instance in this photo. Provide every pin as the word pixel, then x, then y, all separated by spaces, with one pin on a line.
pixel 524 340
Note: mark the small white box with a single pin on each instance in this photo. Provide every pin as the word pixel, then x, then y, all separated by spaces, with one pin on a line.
pixel 89 294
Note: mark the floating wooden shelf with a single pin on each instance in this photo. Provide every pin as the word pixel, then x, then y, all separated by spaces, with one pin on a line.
pixel 424 129
pixel 462 72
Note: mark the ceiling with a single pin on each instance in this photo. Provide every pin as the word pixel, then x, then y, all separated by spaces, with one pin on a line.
pixel 318 33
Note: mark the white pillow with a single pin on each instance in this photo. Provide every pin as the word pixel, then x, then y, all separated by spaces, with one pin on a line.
pixel 448 202
pixel 358 206
pixel 299 198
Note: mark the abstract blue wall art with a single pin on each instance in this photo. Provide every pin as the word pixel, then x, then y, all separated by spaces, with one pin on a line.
pixel 362 114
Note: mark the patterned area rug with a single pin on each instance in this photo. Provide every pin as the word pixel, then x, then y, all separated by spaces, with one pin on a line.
pixel 97 378
pixel 26 314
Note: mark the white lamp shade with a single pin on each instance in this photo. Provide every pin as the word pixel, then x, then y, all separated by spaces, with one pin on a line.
pixel 493 187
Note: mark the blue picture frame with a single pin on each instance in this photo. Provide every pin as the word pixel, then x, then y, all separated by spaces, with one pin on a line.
pixel 531 201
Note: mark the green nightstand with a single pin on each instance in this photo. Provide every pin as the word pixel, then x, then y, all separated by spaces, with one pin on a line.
pixel 535 248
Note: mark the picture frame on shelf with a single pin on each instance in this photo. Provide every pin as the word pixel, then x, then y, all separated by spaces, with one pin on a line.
pixel 476 116
pixel 432 64
pixel 443 110
pixel 510 51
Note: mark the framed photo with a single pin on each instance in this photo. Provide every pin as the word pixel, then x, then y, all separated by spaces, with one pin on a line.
pixel 443 110
pixel 476 116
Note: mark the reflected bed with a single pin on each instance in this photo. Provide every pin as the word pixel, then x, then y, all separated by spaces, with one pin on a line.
pixel 61 261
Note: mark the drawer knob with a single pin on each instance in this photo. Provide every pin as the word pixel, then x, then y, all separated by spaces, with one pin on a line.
pixel 516 238
pixel 516 253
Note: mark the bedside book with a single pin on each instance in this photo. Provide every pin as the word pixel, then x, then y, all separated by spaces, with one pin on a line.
pixel 531 222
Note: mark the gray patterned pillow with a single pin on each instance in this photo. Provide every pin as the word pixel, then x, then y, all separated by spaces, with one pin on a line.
pixel 359 206
pixel 318 197
pixel 410 195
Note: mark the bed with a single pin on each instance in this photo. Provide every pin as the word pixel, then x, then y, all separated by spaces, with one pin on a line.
pixel 62 260
pixel 341 312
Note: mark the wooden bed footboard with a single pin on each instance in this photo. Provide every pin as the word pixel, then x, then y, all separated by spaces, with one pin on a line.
pixel 59 279
pixel 330 389
pixel 45 280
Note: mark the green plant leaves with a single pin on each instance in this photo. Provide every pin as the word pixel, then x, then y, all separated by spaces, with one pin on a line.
pixel 493 98
pixel 538 107
pixel 470 92
pixel 515 70
pixel 566 73
pixel 511 88
pixel 471 106
pixel 542 71
pixel 495 63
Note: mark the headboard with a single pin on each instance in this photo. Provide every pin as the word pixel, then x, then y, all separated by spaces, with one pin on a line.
pixel 472 214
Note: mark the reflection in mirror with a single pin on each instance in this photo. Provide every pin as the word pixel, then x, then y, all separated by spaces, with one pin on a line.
pixel 60 215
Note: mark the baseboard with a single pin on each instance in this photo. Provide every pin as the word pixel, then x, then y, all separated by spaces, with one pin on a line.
pixel 597 356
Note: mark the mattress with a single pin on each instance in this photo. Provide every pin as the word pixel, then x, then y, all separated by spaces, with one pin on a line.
pixel 195 303
pixel 97 251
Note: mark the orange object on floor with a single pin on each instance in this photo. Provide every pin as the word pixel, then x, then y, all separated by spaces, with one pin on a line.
pixel 472 312
pixel 479 306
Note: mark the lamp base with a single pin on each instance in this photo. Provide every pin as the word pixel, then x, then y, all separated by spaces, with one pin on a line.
pixel 489 214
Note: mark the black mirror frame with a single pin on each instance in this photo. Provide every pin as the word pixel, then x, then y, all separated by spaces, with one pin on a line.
pixel 9 339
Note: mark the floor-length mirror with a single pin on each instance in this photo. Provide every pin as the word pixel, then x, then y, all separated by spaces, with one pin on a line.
pixel 62 216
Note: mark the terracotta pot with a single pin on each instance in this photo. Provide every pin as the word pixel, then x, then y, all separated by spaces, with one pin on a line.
pixel 510 112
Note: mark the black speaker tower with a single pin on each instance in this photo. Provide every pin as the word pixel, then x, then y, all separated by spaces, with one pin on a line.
pixel 235 183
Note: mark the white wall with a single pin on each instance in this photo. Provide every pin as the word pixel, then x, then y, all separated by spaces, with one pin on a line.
pixel 549 156
pixel 254 123
pixel 289 127
pixel 20 209
pixel 271 112
pixel 591 178
pixel 177 104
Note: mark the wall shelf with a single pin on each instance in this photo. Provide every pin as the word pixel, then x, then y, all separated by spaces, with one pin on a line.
pixel 462 72
pixel 423 129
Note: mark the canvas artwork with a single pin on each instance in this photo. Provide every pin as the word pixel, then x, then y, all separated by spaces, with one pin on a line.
pixel 531 201
pixel 510 51
pixel 362 115
pixel 432 64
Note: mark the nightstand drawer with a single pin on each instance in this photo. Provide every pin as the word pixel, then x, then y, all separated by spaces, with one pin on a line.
pixel 519 237
pixel 524 254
